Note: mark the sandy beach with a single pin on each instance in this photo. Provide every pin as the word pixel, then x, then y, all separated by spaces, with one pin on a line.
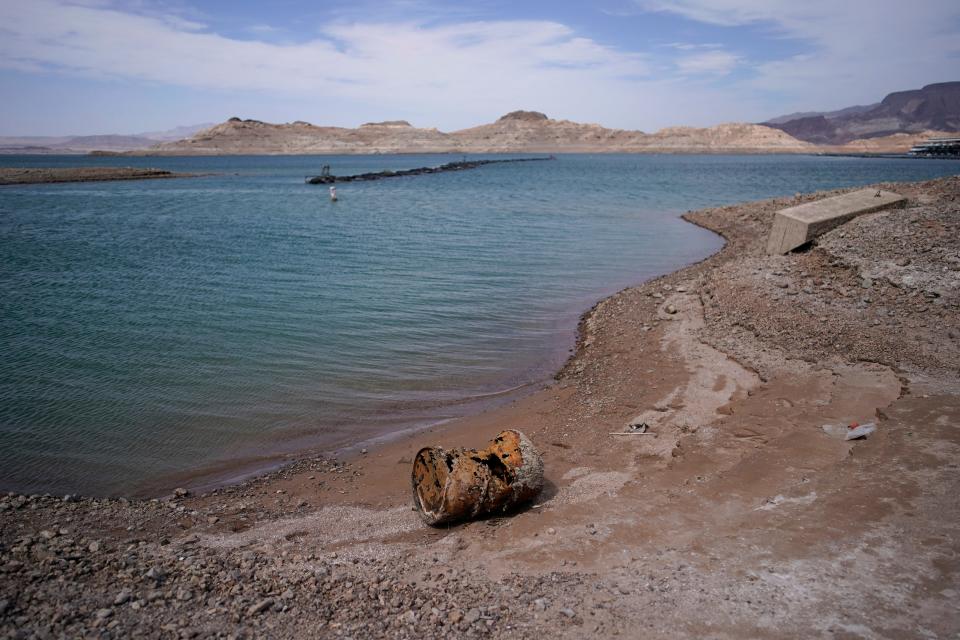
pixel 737 516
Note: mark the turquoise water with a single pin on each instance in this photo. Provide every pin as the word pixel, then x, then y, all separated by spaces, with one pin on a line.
pixel 153 328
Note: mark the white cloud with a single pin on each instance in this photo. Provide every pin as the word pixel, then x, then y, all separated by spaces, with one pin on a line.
pixel 464 66
pixel 693 46
pixel 853 51
pixel 463 71
pixel 724 12
pixel 716 62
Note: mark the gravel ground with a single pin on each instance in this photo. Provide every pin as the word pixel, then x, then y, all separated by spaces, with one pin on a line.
pixel 882 288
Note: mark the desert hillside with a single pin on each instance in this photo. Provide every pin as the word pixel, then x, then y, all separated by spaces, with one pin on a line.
pixel 534 131
pixel 725 138
pixel 893 143
pixel 237 137
pixel 934 107
pixel 519 131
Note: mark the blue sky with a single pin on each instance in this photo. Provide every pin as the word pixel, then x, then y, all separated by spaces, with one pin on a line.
pixel 113 66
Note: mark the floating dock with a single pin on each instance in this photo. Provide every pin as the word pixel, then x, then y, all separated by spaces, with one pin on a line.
pixel 450 166
pixel 937 148
pixel 796 226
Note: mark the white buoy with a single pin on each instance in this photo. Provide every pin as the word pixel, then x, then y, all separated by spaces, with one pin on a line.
pixel 333 194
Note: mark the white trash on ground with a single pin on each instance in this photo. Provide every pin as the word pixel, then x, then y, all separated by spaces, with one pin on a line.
pixel 861 432
pixel 841 431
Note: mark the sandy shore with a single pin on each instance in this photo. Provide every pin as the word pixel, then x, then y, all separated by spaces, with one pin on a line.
pixel 12 175
pixel 739 517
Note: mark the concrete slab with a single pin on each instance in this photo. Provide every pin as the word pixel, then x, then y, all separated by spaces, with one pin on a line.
pixel 796 226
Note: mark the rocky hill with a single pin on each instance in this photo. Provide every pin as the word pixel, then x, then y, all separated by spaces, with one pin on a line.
pixel 518 131
pixel 532 131
pixel 893 143
pixel 733 137
pixel 237 137
pixel 934 107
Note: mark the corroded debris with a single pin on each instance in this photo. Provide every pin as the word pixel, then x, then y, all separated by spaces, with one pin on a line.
pixel 465 483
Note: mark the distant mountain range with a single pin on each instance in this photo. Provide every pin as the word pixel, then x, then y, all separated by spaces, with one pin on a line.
pixel 890 126
pixel 86 144
pixel 518 131
pixel 934 107
pixel 827 114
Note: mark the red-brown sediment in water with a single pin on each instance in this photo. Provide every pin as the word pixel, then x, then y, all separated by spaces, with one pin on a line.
pixel 738 517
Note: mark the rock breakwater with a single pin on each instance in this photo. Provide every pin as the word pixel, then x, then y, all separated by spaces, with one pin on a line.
pixel 450 166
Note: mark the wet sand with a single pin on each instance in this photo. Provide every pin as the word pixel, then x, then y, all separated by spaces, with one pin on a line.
pixel 10 175
pixel 738 517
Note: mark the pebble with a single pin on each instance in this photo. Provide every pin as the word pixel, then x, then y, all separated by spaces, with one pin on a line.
pixel 122 597
pixel 93 547
pixel 155 574
pixel 180 492
pixel 472 616
pixel 260 607
pixel 570 613
pixel 671 309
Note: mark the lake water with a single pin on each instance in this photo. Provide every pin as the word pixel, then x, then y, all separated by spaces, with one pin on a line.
pixel 152 328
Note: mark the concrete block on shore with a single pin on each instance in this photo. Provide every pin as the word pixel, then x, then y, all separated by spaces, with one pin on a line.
pixel 796 226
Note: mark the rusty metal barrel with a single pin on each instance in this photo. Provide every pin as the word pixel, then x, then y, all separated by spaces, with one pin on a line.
pixel 449 486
